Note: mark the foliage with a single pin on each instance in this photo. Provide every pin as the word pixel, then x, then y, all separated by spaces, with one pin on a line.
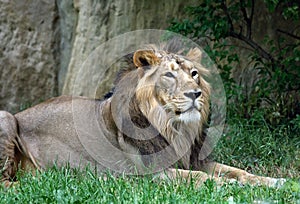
pixel 276 60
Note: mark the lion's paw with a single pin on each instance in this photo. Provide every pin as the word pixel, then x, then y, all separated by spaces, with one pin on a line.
pixel 276 182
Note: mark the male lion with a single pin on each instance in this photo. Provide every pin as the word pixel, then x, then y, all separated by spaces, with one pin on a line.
pixel 153 122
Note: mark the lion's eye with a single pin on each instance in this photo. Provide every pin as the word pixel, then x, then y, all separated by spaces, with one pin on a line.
pixel 169 74
pixel 194 74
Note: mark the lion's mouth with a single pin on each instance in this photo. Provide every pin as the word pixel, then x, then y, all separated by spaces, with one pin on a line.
pixel 191 114
pixel 191 109
pixel 178 112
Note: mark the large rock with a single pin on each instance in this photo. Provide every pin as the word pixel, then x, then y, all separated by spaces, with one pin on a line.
pixel 44 43
pixel 67 23
pixel 100 21
pixel 28 51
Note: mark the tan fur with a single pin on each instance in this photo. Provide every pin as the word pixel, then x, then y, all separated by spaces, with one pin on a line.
pixel 161 94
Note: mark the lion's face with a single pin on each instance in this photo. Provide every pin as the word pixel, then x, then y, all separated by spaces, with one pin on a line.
pixel 175 83
pixel 178 88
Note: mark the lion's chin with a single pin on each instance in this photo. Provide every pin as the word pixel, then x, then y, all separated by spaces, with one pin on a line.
pixel 189 116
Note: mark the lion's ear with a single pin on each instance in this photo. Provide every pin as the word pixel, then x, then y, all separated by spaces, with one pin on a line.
pixel 145 58
pixel 194 54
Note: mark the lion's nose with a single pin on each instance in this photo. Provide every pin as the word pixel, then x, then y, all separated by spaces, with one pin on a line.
pixel 193 94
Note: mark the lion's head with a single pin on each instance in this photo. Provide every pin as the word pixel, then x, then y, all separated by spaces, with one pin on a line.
pixel 167 91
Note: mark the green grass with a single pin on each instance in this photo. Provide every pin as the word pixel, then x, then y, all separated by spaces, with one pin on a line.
pixel 255 147
pixel 261 149
pixel 71 186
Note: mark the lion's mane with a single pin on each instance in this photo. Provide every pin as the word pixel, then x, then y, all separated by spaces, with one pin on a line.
pixel 136 86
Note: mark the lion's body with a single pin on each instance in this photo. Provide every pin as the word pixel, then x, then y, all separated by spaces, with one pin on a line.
pixel 45 135
pixel 51 136
pixel 153 121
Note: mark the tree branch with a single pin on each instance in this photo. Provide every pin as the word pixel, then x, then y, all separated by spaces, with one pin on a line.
pixel 246 18
pixel 246 38
pixel 251 14
pixel 225 9
pixel 288 34
pixel 263 53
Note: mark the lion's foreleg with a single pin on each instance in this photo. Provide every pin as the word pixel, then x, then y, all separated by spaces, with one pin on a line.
pixel 198 177
pixel 228 172
pixel 221 174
